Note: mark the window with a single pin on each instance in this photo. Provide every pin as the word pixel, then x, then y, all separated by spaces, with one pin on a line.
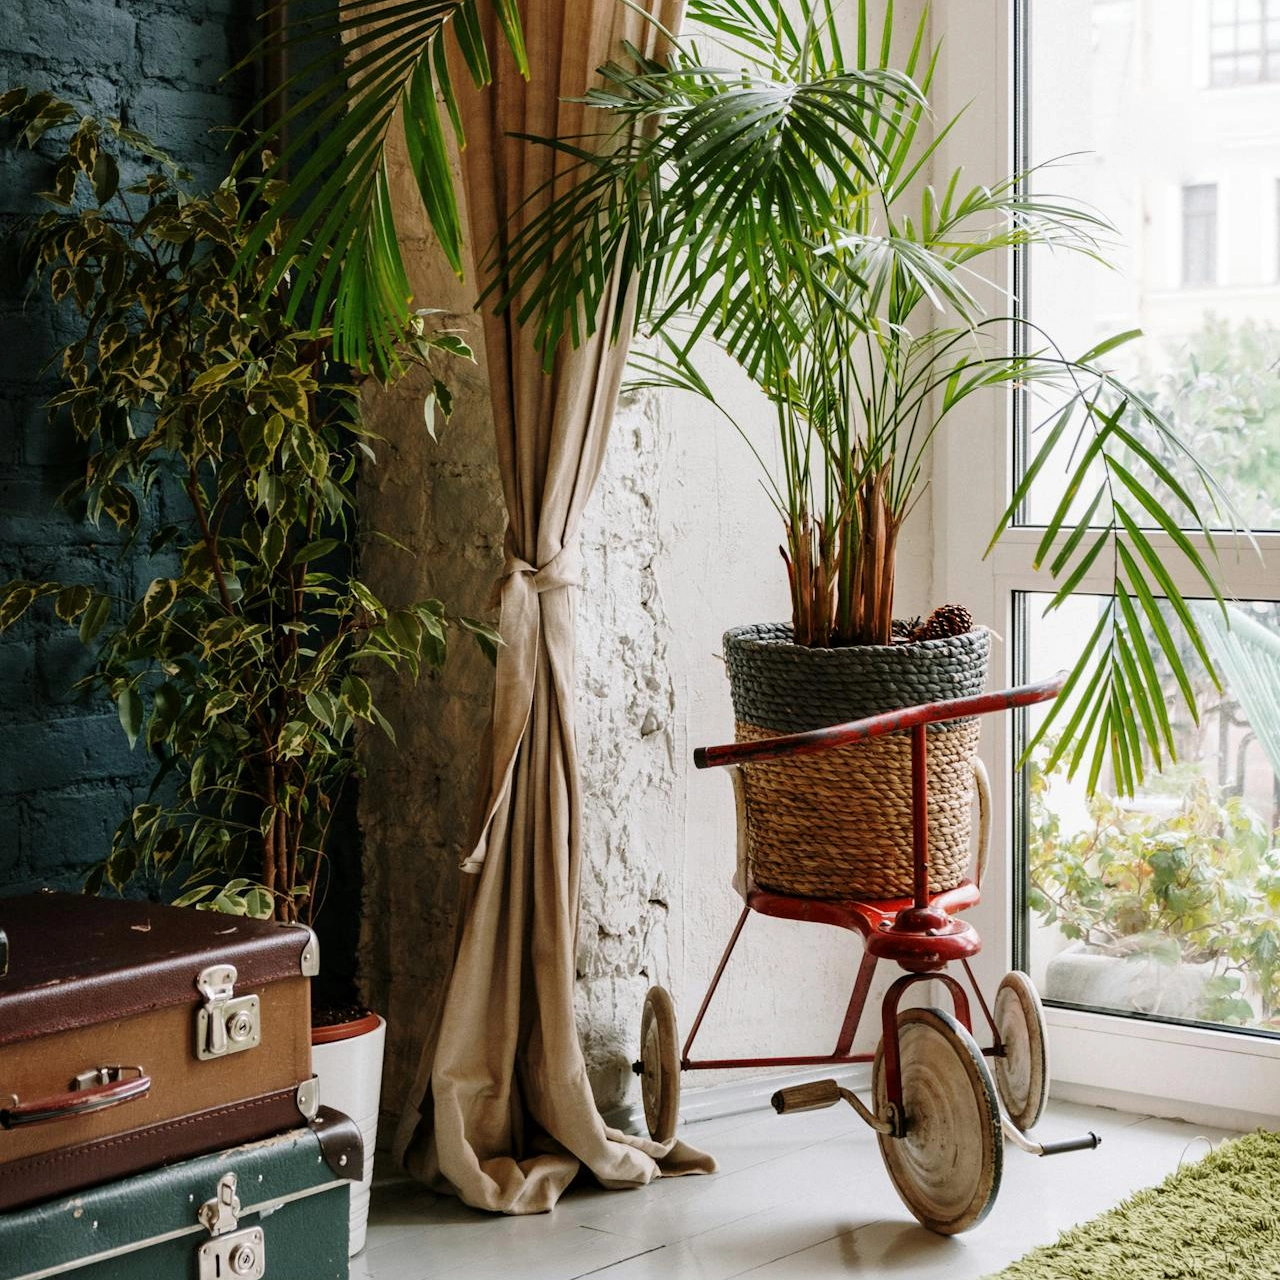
pixel 1078 91
pixel 1244 41
pixel 1162 904
pixel 1200 234
pixel 1158 907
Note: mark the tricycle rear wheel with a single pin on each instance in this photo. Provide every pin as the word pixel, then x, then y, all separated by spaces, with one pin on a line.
pixel 659 1065
pixel 1022 1075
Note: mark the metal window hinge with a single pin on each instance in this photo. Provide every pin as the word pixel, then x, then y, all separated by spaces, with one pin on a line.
pixel 227 1023
pixel 231 1254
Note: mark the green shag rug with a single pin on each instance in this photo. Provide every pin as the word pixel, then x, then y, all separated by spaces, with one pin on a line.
pixel 1217 1218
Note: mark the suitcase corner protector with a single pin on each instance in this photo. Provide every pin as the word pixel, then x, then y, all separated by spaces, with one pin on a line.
pixel 308 1098
pixel 309 960
pixel 341 1143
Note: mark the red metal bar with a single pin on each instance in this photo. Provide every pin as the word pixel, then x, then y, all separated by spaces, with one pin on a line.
pixel 841 735
pixel 857 1002
pixel 866 918
pixel 920 816
pixel 711 990
pixel 889 1039
pixel 959 1001
pixel 889 1026
pixel 815 1060
pixel 997 1047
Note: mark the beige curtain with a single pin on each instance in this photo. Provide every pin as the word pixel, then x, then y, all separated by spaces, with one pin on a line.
pixel 501 1112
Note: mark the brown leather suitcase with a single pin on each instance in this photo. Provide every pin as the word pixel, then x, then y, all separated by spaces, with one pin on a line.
pixel 132 1035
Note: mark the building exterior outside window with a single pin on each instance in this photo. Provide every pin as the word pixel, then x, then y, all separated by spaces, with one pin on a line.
pixel 1244 42
pixel 1200 234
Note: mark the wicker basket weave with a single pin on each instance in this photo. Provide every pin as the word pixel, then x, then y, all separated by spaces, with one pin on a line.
pixel 837 824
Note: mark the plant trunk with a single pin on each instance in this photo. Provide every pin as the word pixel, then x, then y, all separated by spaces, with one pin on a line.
pixel 867 609
pixel 285 903
pixel 842 579
pixel 269 836
pixel 812 573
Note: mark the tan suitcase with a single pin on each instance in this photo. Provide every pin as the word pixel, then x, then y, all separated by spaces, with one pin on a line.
pixel 132 1035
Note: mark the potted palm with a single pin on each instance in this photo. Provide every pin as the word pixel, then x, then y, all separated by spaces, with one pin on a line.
pixel 226 438
pixel 774 197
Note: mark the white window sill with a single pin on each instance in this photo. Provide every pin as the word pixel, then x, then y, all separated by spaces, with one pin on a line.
pixel 1189 1073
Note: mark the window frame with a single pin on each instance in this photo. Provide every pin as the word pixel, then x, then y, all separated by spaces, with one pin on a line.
pixel 1098 1058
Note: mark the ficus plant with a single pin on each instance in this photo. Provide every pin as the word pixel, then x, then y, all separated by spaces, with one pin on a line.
pixel 241 664
pixel 778 194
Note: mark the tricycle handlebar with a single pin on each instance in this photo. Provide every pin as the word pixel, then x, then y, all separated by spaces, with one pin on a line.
pixel 841 735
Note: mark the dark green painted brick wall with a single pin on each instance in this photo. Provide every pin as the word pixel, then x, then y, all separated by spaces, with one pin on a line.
pixel 66 773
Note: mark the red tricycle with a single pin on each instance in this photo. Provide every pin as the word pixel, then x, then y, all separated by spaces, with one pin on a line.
pixel 939 1115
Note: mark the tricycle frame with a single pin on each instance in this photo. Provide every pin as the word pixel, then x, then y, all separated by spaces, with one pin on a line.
pixel 923 937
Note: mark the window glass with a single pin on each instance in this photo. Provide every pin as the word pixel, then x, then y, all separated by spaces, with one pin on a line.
pixel 1244 41
pixel 1199 234
pixel 1188 176
pixel 1167 904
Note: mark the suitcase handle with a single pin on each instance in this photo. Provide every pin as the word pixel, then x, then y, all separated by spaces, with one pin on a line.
pixel 116 1087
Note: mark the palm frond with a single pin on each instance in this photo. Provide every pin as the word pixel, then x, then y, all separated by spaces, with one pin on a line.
pixel 705 170
pixel 779 205
pixel 360 67
pixel 1106 508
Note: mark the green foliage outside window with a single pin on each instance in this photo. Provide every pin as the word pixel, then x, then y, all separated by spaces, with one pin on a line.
pixel 1195 880
pixel 1221 388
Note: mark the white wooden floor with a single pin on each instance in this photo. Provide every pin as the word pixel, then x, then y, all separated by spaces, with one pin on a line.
pixel 797 1197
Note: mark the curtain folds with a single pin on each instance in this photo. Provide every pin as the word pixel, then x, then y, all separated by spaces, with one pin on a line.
pixel 501 1112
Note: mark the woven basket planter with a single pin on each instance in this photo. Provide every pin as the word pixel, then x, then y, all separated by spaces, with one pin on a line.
pixel 838 824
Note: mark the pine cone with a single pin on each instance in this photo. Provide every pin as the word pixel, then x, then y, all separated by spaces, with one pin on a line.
pixel 904 628
pixel 945 620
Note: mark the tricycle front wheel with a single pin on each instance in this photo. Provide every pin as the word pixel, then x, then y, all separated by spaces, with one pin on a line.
pixel 946 1166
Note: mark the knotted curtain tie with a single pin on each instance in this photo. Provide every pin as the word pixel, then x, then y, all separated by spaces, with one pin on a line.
pixel 564 569
pixel 516 589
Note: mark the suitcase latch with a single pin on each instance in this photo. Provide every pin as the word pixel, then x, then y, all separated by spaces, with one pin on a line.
pixel 227 1023
pixel 222 1213
pixel 238 1257
pixel 231 1254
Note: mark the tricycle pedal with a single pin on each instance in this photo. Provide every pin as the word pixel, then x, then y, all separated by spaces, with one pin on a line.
pixel 806 1097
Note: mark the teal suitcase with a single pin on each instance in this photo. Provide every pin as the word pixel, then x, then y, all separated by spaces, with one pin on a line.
pixel 272 1210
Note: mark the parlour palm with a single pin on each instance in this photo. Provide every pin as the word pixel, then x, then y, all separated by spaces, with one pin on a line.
pixel 776 191
pixel 779 193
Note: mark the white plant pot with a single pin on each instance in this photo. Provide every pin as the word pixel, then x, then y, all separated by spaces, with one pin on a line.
pixel 1136 984
pixel 350 1079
